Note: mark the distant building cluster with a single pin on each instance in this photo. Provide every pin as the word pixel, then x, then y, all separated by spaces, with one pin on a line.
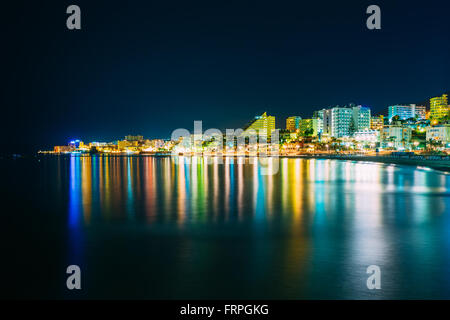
pixel 353 127
pixel 129 145
pixel 346 128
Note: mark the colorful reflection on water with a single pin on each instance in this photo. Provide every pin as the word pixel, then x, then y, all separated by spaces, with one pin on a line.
pixel 182 228
pixel 176 191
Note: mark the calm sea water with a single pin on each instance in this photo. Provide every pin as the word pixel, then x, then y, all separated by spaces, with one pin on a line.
pixel 146 227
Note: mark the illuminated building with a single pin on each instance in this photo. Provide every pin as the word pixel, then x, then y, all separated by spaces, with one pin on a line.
pixel 134 138
pixel 405 112
pixel 287 136
pixel 83 147
pixel 326 122
pixel 97 144
pixel 293 123
pixel 153 145
pixel 395 136
pixel 367 136
pixel 197 142
pixel 263 125
pixel 309 127
pixel 421 112
pixel 377 123
pixel 63 149
pixel 319 116
pixel 342 122
pixel 341 119
pixel 75 143
pixel 439 107
pixel 130 144
pixel 124 145
pixel 361 118
pixel 439 133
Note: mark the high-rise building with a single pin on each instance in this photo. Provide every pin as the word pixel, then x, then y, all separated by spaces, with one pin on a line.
pixel 293 123
pixel 361 118
pixel 309 127
pixel 341 119
pixel 439 107
pixel 341 122
pixel 377 123
pixel 319 116
pixel 263 125
pixel 326 121
pixel 405 112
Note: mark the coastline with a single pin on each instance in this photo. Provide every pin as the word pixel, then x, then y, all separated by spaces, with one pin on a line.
pixel 441 163
pixel 433 162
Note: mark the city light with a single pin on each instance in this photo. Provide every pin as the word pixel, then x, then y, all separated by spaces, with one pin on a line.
pixel 336 130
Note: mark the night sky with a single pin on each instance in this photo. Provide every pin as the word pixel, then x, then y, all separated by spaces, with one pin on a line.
pixel 149 67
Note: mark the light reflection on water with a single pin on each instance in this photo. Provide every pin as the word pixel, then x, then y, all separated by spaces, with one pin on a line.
pixel 307 232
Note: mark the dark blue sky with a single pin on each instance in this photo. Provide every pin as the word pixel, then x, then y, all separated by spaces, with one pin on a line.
pixel 150 67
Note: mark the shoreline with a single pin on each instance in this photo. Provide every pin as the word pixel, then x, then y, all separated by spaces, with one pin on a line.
pixel 417 161
pixel 441 163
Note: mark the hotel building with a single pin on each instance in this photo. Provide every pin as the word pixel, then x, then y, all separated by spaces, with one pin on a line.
pixel 439 133
pixel 342 122
pixel 395 136
pixel 361 118
pixel 293 123
pixel 377 123
pixel 421 112
pixel 405 112
pixel 439 107
pixel 367 136
pixel 309 127
pixel 263 125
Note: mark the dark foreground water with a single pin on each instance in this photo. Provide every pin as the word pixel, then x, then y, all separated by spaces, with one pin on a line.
pixel 146 227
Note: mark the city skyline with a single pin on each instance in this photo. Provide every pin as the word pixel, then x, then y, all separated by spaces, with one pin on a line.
pixel 154 67
pixel 347 129
pixel 294 123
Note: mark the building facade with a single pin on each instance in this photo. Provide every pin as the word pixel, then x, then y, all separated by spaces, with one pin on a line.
pixel 319 116
pixel 421 112
pixel 439 107
pixel 367 136
pixel 439 133
pixel 134 138
pixel 293 123
pixel 309 127
pixel 377 123
pixel 361 118
pixel 405 112
pixel 264 125
pixel 395 136
pixel 341 118
pixel 340 122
